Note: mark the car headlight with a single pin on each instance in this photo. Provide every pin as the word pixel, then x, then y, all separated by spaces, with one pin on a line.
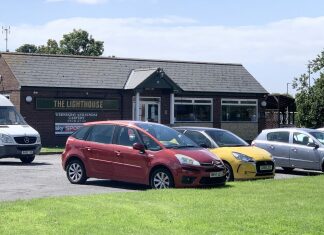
pixel 38 140
pixel 242 157
pixel 183 159
pixel 6 139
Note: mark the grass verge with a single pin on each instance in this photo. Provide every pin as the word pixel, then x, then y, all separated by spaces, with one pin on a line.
pixel 293 206
pixel 48 150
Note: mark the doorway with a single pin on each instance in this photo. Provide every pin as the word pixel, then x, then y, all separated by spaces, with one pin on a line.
pixel 149 109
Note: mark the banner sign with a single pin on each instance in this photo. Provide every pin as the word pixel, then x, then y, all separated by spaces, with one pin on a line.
pixel 76 104
pixel 68 122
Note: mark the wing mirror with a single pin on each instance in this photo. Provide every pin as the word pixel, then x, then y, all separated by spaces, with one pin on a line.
pixel 203 145
pixel 139 147
pixel 314 145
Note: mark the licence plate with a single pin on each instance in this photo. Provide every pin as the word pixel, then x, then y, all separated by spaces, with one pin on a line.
pixel 27 152
pixel 216 174
pixel 266 167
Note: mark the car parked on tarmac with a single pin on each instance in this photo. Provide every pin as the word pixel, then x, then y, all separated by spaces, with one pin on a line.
pixel 139 152
pixel 294 147
pixel 241 160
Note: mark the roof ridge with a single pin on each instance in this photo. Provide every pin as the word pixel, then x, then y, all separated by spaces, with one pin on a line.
pixel 120 58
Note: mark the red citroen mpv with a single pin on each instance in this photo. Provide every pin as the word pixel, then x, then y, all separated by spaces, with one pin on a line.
pixel 139 152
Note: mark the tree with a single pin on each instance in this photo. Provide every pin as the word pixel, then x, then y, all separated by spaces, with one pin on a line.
pixel 51 48
pixel 80 43
pixel 310 99
pixel 27 48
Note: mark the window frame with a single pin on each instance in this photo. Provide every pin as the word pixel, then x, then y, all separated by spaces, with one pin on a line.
pixel 240 102
pixel 194 102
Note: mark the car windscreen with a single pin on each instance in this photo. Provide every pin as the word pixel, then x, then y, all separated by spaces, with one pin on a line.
pixel 318 135
pixel 226 139
pixel 9 116
pixel 167 136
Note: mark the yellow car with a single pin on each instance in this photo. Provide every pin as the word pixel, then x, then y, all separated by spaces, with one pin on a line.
pixel 241 160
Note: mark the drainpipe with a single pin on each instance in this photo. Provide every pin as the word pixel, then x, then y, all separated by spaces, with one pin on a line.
pixel 137 106
pixel 172 108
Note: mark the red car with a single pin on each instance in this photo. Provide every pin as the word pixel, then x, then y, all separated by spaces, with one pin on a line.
pixel 139 152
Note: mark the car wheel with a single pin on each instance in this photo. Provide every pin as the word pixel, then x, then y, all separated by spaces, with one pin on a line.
pixel 27 159
pixel 229 172
pixel 161 178
pixel 75 172
pixel 288 169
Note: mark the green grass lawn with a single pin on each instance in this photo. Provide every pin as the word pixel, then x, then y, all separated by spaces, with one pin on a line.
pixel 45 150
pixel 293 206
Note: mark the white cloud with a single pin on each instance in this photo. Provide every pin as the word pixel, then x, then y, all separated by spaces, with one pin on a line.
pixel 90 2
pixel 273 53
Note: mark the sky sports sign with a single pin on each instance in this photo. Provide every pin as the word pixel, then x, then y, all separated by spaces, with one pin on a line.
pixel 68 122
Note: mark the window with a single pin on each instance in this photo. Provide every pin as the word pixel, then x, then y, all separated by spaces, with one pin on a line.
pixel 127 137
pixel 279 136
pixel 149 143
pixel 239 110
pixel 199 138
pixel 101 134
pixel 302 139
pixel 193 109
pixel 81 133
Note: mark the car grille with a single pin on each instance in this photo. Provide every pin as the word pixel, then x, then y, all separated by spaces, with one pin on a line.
pixel 210 181
pixel 262 163
pixel 25 140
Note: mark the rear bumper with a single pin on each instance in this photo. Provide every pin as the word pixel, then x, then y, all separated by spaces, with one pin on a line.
pixel 17 151
pixel 199 176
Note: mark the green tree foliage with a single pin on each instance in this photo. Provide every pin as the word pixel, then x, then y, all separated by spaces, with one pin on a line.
pixel 51 48
pixel 78 42
pixel 27 48
pixel 310 99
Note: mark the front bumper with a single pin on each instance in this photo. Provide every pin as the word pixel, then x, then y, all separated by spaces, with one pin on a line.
pixel 17 151
pixel 249 171
pixel 191 176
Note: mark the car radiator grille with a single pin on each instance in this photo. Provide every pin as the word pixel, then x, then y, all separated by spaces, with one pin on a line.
pixel 25 140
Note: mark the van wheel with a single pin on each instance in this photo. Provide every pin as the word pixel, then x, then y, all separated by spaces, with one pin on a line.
pixel 75 172
pixel 161 178
pixel 288 169
pixel 229 172
pixel 27 159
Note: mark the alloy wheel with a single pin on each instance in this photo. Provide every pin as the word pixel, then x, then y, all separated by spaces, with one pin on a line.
pixel 161 180
pixel 75 172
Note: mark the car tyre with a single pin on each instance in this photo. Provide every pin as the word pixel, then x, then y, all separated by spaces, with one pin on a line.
pixel 229 172
pixel 161 178
pixel 27 159
pixel 76 173
pixel 288 169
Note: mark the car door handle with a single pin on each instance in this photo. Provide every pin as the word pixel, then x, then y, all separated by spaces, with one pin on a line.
pixel 295 150
pixel 117 153
pixel 272 147
pixel 88 148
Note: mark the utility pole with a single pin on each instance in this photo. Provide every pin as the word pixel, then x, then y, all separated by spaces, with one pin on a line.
pixel 6 31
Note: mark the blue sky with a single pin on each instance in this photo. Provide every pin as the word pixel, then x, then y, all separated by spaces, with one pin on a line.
pixel 273 39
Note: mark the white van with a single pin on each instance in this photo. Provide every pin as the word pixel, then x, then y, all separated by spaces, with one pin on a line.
pixel 17 138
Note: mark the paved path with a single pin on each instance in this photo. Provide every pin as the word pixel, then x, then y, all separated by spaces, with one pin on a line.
pixel 45 177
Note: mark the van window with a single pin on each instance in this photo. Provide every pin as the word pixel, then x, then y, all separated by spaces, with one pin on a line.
pixel 9 116
pixel 278 136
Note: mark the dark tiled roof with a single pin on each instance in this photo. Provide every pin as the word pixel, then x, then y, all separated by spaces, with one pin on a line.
pixel 106 72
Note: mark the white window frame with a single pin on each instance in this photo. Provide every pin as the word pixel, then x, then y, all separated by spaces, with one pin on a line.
pixel 195 101
pixel 238 102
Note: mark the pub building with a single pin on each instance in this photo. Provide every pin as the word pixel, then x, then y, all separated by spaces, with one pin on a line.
pixel 56 94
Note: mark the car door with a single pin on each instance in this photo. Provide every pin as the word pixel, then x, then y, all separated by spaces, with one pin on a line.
pixel 302 152
pixel 277 144
pixel 100 151
pixel 132 164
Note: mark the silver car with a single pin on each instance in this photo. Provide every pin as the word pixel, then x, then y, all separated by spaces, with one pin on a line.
pixel 294 147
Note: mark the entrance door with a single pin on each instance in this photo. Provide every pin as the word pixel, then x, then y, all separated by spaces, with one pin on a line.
pixel 149 109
